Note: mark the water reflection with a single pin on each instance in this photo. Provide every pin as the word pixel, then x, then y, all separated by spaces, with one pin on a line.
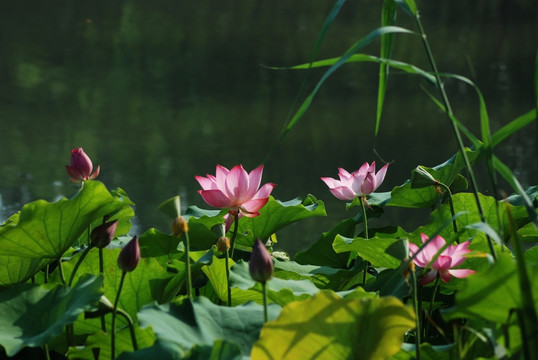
pixel 158 93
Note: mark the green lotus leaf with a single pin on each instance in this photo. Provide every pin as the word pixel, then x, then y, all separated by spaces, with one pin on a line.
pixel 48 230
pixel 329 327
pixel 201 322
pixel 32 315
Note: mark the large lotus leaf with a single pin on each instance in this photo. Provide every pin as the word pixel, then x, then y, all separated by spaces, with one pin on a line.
pixel 329 327
pixel 275 215
pixel 492 294
pixel 201 222
pixel 160 246
pixel 15 269
pixel 47 230
pixel 378 250
pixel 163 350
pixel 141 286
pixel 321 276
pixel 32 315
pixel 245 289
pixel 465 203
pixel 100 342
pixel 426 197
pixel 201 322
pixel 322 252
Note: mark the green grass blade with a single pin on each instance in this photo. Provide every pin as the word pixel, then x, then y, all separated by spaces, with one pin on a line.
pixel 342 60
pixel 408 6
pixel 513 126
pixel 325 28
pixel 388 18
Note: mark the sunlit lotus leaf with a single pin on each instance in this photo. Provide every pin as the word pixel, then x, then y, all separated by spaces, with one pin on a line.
pixel 465 203
pixel 528 233
pixel 47 230
pixel 144 338
pixel 15 269
pixel 426 197
pixel 201 322
pixel 379 250
pixel 275 215
pixel 141 286
pixel 329 327
pixel 244 289
pixel 32 315
pixel 322 252
pixel 492 294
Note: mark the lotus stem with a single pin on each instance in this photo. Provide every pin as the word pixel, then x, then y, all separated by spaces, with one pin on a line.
pixel 417 312
pixel 227 264
pixel 77 265
pixel 265 315
pixel 451 203
pixel 188 265
pixel 234 235
pixel 114 311
pixel 365 220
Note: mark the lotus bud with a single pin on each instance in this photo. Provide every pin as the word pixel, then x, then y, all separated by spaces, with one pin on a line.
pixel 261 263
pixel 420 178
pixel 81 167
pixel 129 255
pixel 223 244
pixel 103 234
pixel 179 226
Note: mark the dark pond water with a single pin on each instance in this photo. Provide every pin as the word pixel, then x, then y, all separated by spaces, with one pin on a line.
pixel 157 92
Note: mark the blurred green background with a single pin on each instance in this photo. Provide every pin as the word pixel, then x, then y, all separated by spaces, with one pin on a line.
pixel 157 92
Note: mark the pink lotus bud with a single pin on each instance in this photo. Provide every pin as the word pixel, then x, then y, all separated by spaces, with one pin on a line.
pixel 261 264
pixel 81 167
pixel 103 234
pixel 129 255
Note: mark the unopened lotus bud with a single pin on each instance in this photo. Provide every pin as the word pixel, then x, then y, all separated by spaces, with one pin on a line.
pixel 179 226
pixel 103 234
pixel 223 244
pixel 261 263
pixel 130 255
pixel 420 178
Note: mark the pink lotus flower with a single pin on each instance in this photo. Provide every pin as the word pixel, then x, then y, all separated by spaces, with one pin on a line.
pixel 81 167
pixel 451 257
pixel 357 184
pixel 235 190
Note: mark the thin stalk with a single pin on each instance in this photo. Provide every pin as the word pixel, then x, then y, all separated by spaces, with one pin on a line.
pixel 61 270
pixel 365 220
pixel 528 318
pixel 265 315
pixel 227 264
pixel 131 328
pixel 430 310
pixel 113 330
pixel 451 203
pixel 46 274
pixel 101 272
pixel 448 111
pixel 47 353
pixel 234 235
pixel 418 331
pixel 188 265
pixel 77 265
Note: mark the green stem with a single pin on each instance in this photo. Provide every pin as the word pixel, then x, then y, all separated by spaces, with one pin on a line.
pixel 450 114
pixel 365 220
pixel 113 330
pixel 418 331
pixel 77 265
pixel 430 310
pixel 61 270
pixel 101 272
pixel 265 315
pixel 47 353
pixel 188 265
pixel 227 264
pixel 46 274
pixel 131 328
pixel 451 203
pixel 234 235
